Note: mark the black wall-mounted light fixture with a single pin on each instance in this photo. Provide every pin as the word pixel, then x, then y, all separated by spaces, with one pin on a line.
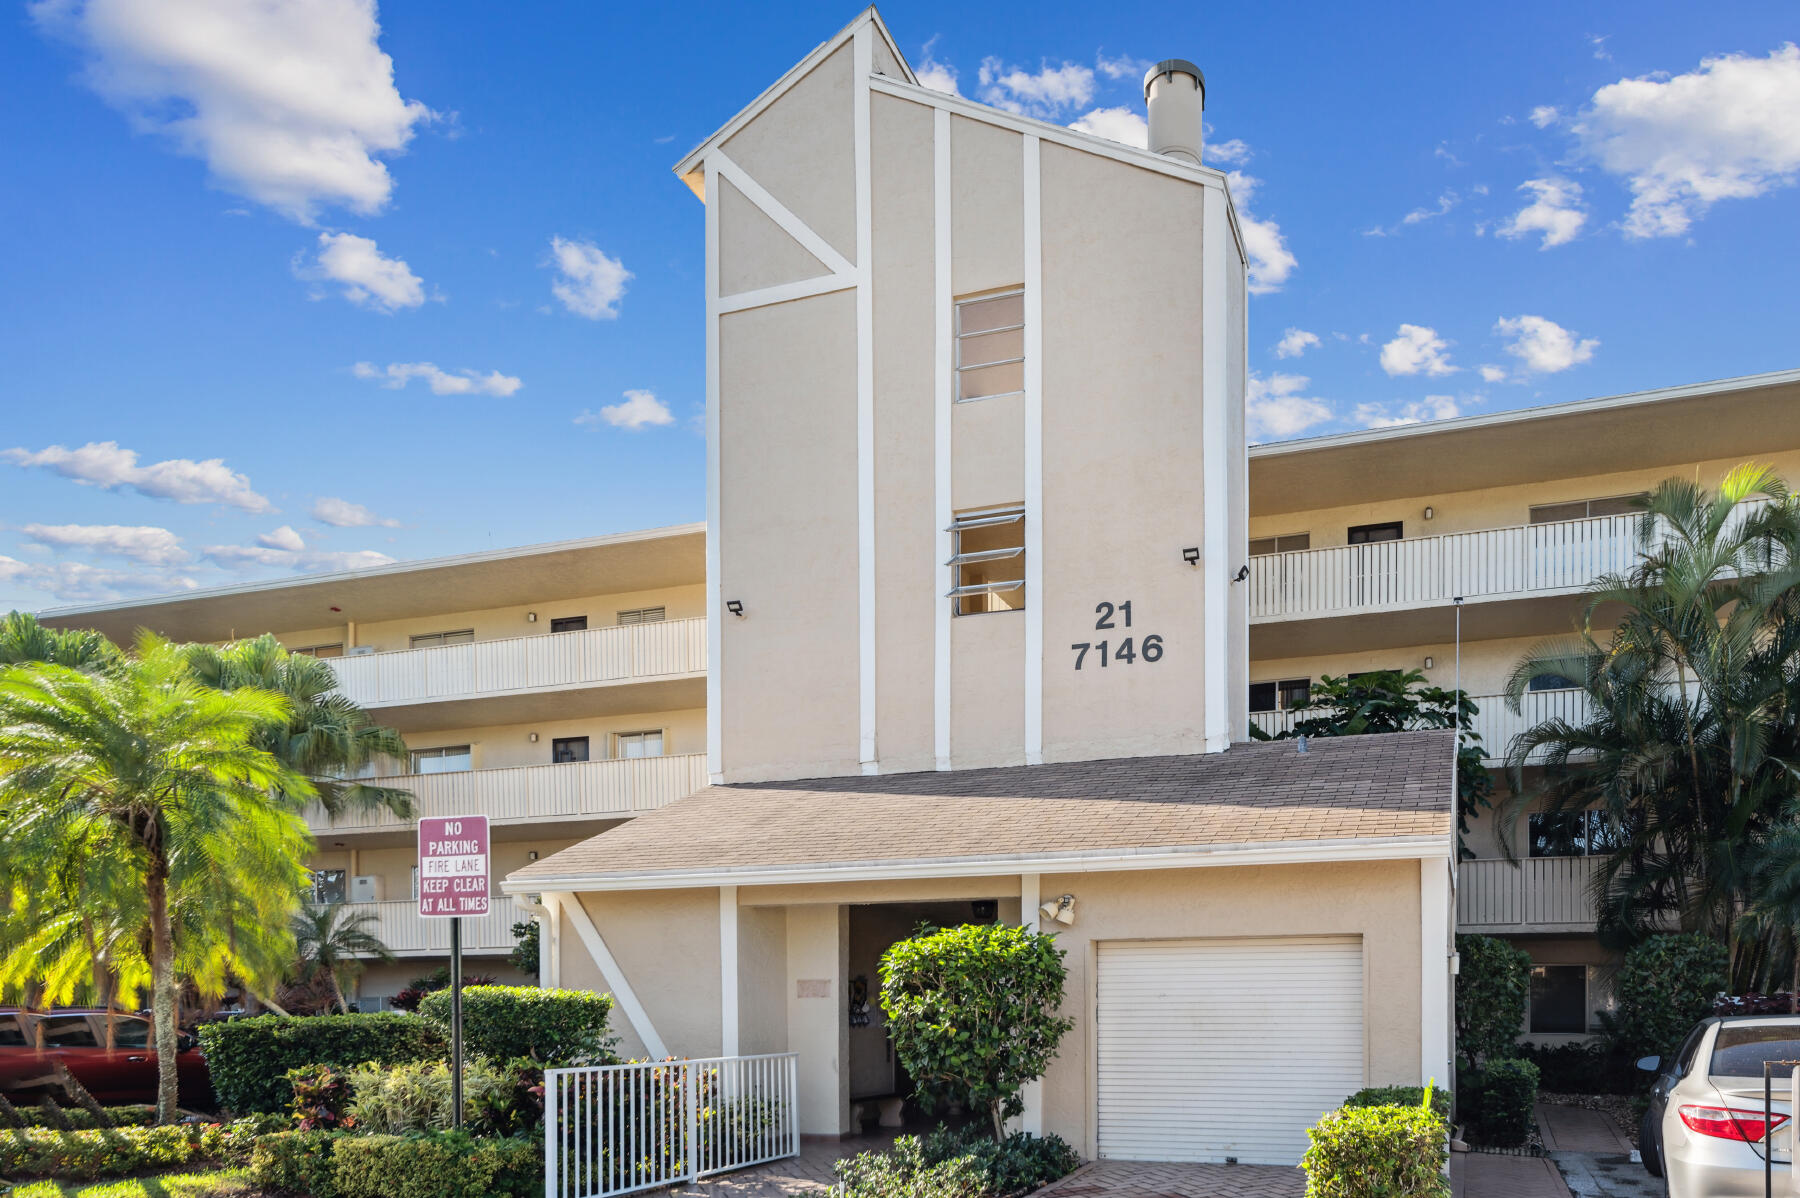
pixel 735 607
pixel 1242 574
pixel 1191 555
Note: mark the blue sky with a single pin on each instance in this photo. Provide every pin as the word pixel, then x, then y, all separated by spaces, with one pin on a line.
pixel 302 287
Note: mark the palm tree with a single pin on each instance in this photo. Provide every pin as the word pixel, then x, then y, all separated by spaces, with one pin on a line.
pixel 154 778
pixel 23 639
pixel 1771 916
pixel 327 737
pixel 330 940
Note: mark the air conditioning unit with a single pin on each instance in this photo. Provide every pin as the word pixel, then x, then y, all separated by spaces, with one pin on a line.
pixel 365 888
pixel 359 651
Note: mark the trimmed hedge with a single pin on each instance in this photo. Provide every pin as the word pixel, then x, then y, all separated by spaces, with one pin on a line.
pixel 1505 1093
pixel 1401 1096
pixel 81 1119
pixel 1377 1152
pixel 1493 987
pixel 1666 985
pixel 321 1164
pixel 552 1027
pixel 1598 1068
pixel 249 1058
pixel 965 1164
pixel 113 1152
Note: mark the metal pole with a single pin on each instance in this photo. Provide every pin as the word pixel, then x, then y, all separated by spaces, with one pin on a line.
pixel 1768 1140
pixel 456 1055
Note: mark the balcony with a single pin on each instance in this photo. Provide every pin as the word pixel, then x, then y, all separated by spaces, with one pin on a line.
pixel 1495 563
pixel 398 925
pixel 1494 722
pixel 1536 894
pixel 575 790
pixel 525 664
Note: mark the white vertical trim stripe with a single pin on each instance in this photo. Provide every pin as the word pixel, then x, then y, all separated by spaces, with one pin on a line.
pixel 715 605
pixel 1032 1121
pixel 1216 562
pixel 1436 1029
pixel 1034 456
pixel 863 63
pixel 728 971
pixel 943 331
pixel 622 993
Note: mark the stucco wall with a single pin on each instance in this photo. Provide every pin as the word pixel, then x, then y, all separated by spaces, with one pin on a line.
pixel 666 943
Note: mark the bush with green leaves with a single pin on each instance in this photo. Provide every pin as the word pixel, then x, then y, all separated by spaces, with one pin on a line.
pixel 296 1162
pixel 524 956
pixel 553 1027
pixel 74 1118
pixel 958 1164
pixel 1377 1152
pixel 117 1151
pixel 1504 1095
pixel 249 1058
pixel 397 1099
pixel 1666 985
pixel 1401 1096
pixel 335 1164
pixel 321 1095
pixel 1597 1068
pixel 1493 985
pixel 972 1014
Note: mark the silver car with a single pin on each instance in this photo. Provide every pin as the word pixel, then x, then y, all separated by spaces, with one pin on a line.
pixel 1704 1131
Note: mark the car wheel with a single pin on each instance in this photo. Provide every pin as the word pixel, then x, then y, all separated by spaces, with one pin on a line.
pixel 1649 1151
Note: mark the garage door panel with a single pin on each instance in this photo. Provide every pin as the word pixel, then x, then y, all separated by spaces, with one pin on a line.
pixel 1208 1049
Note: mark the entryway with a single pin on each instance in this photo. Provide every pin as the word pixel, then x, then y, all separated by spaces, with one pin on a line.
pixel 1225 1050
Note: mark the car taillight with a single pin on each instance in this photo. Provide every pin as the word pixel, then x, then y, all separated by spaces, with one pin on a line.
pixel 1728 1123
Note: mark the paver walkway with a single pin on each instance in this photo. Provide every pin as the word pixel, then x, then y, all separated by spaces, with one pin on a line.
pixel 1482 1175
pixel 1135 1179
pixel 1593 1154
pixel 1576 1129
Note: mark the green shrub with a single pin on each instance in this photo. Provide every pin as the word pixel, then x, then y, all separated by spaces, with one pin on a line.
pixel 972 1013
pixel 295 1162
pixel 1377 1152
pixel 321 1094
pixel 1506 1092
pixel 83 1120
pixel 439 1165
pixel 1493 985
pixel 1401 1096
pixel 959 1164
pixel 1665 986
pixel 249 1058
pixel 1582 1068
pixel 115 1152
pixel 396 1099
pixel 552 1027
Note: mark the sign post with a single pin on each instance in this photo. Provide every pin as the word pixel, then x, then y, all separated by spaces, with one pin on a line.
pixel 453 882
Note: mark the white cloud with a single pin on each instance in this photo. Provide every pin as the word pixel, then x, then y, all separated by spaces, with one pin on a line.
pixel 1417 350
pixel 341 513
pixel 306 561
pixel 288 104
pixel 1046 94
pixel 587 282
pixel 1115 124
pixel 1493 374
pixel 1545 115
pixel 396 375
pixel 1725 131
pixel 141 543
pixel 1274 407
pixel 78 582
pixel 1295 342
pixel 640 410
pixel 1544 346
pixel 1122 67
pixel 1225 153
pixel 104 464
pixel 1445 202
pixel 367 278
pixel 938 77
pixel 282 538
pixel 1555 211
pixel 1432 407
pixel 1271 262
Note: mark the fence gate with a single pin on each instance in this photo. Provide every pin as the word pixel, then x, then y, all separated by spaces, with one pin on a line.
pixel 616 1129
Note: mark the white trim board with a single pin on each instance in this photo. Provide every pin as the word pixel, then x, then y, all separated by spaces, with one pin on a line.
pixel 943 407
pixel 1032 218
pixel 863 50
pixel 715 602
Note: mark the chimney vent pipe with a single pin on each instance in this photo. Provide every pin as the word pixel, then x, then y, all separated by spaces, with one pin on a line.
pixel 1175 95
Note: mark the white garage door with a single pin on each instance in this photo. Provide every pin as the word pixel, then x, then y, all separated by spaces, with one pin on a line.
pixel 1209 1049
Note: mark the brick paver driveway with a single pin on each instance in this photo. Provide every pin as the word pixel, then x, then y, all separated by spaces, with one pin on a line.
pixel 1133 1179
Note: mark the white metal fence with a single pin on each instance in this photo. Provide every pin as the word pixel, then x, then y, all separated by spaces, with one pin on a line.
pixel 617 1129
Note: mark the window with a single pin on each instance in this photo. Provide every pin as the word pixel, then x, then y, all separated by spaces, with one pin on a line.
pixel 1551 682
pixel 643 615
pixel 1586 509
pixel 1295 692
pixel 1280 696
pixel 569 748
pixel 990 346
pixel 1741 1048
pixel 328 886
pixel 640 744
pixel 1291 542
pixel 989 561
pixel 569 624
pixel 1559 998
pixel 1574 834
pixel 67 1031
pixel 449 759
pixel 1370 534
pixel 1684 1059
pixel 11 1034
pixel 319 651
pixel 431 640
pixel 130 1033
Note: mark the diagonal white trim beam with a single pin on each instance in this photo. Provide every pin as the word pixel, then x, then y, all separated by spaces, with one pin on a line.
pixel 781 293
pixel 622 993
pixel 775 210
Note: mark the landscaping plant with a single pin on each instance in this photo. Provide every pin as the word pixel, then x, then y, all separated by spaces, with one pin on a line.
pixel 1378 1152
pixel 972 1014
pixel 249 1059
pixel 958 1164
pixel 1666 985
pixel 552 1027
pixel 1506 1095
pixel 1493 985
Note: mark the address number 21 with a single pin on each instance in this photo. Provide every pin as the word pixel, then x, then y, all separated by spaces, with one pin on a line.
pixel 1149 647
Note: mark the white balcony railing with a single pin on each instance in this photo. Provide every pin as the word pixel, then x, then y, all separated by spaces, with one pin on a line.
pixel 398 925
pixel 1532 893
pixel 1495 562
pixel 523 794
pixel 1494 722
pixel 525 663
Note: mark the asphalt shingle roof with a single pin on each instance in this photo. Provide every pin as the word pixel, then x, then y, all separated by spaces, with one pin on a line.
pixel 1394 785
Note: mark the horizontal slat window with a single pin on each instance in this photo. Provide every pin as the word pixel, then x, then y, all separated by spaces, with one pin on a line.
pixel 643 615
pixel 989 563
pixel 990 346
pixel 432 640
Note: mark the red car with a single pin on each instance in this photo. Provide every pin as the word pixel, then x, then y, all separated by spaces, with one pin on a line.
pixel 33 1042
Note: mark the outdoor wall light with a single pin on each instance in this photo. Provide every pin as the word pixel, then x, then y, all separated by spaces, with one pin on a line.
pixel 533 736
pixel 735 607
pixel 1243 573
pixel 1191 555
pixel 1429 662
pixel 1062 910
pixel 531 617
pixel 1430 513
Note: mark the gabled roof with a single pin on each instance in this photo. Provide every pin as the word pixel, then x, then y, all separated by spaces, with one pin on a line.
pixel 689 164
pixel 1346 798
